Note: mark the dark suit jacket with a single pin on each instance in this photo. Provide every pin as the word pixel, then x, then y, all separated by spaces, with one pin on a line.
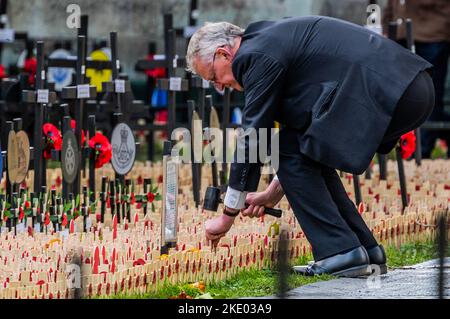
pixel 335 82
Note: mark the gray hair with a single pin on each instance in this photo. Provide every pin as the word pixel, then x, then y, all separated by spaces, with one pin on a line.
pixel 207 39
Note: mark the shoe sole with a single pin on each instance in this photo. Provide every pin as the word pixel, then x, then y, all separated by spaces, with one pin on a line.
pixel 378 269
pixel 359 271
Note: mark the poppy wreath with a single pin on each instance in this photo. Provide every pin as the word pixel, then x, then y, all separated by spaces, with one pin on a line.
pixel 103 149
pixel 53 139
pixel 407 144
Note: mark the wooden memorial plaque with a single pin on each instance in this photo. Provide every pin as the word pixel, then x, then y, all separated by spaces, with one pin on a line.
pixel 69 159
pixel 123 149
pixel 214 118
pixel 12 156
pixel 169 219
pixel 23 152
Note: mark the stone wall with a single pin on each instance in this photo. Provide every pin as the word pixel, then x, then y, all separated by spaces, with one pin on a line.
pixel 140 21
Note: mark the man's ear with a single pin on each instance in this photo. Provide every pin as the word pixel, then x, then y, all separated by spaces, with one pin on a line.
pixel 225 52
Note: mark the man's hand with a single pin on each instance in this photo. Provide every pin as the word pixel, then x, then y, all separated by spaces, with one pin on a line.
pixel 217 228
pixel 268 198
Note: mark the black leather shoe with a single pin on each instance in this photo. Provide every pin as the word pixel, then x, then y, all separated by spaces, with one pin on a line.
pixel 354 263
pixel 377 259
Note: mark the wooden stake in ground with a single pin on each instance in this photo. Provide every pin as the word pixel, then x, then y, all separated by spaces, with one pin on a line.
pixel 410 45
pixel 196 150
pixel 214 123
pixel 79 94
pixel 40 98
pixel 401 177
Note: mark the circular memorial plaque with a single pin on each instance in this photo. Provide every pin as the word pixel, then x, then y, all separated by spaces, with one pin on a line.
pixel 123 149
pixel 60 76
pixel 12 156
pixel 23 152
pixel 69 157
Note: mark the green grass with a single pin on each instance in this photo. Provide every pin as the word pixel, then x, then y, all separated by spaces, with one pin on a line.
pixel 248 283
pixel 251 283
pixel 256 283
pixel 411 253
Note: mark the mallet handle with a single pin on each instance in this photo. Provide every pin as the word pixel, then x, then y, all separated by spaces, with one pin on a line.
pixel 271 211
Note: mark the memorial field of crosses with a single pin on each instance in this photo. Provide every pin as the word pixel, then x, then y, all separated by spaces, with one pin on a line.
pixel 83 216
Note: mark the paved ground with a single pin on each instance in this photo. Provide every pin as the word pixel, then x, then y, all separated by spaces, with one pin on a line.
pixel 418 281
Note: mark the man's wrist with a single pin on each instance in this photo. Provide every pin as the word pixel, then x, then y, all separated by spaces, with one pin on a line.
pixel 230 212
pixel 227 220
pixel 274 187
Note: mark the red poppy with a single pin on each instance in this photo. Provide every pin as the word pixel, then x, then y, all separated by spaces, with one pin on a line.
pixel 408 144
pixel 114 226
pixel 156 73
pixel 58 181
pixel 30 67
pixel 150 197
pixel 73 124
pixel 53 139
pixel 161 118
pixel 361 208
pixel 21 213
pixel 103 149
pixel 64 221
pixel 47 219
pixel 2 72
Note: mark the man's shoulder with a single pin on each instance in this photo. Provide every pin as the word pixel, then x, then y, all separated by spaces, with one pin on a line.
pixel 275 37
pixel 270 25
pixel 254 63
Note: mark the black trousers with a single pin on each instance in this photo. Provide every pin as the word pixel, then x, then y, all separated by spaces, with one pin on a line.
pixel 328 217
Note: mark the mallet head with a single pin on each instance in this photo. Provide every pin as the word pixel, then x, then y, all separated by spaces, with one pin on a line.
pixel 212 198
